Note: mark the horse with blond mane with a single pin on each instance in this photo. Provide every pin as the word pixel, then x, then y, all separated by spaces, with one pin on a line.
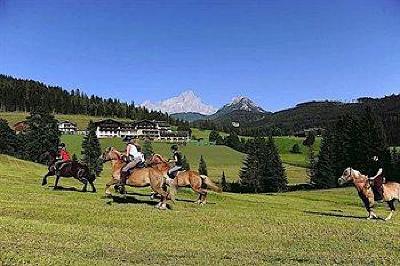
pixel 198 183
pixel 140 177
pixel 391 191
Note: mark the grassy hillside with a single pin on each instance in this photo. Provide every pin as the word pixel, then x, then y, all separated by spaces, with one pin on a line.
pixel 46 227
pixel 218 158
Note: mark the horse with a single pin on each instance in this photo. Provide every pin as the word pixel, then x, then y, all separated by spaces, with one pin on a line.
pixel 391 191
pixel 188 178
pixel 73 169
pixel 139 177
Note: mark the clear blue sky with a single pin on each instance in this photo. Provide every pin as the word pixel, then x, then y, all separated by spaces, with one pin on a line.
pixel 277 52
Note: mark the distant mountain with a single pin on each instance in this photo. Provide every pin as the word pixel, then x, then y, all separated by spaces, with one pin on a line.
pixel 189 116
pixel 187 102
pixel 241 110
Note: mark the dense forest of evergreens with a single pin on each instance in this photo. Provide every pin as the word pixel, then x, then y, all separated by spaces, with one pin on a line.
pixel 27 95
pixel 311 115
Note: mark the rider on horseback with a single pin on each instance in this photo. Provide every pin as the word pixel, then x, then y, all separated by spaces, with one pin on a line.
pixel 63 159
pixel 134 157
pixel 177 159
pixel 376 177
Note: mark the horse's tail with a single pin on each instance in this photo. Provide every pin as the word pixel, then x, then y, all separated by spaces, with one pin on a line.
pixel 210 184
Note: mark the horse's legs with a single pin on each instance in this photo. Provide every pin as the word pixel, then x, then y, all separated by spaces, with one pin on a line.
pixel 392 209
pixel 371 214
pixel 44 181
pixel 202 192
pixel 85 182
pixel 109 184
pixel 92 185
pixel 56 183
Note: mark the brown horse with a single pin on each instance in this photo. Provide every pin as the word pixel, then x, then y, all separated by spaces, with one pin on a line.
pixel 198 183
pixel 391 191
pixel 140 177
pixel 73 169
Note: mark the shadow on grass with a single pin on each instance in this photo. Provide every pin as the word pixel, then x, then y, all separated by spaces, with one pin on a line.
pixel 132 200
pixel 332 214
pixel 74 189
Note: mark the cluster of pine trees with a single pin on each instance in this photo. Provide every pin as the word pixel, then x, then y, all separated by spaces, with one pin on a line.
pixel 262 170
pixel 26 95
pixel 352 141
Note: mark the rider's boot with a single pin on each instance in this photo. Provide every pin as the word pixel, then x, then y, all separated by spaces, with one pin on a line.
pixel 122 182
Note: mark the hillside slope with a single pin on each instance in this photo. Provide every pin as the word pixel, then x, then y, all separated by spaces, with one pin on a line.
pixel 46 227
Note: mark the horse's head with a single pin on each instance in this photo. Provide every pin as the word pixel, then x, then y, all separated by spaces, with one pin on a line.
pixel 110 154
pixel 347 176
pixel 158 161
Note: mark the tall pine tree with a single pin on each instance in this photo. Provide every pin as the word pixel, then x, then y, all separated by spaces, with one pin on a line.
pixel 203 166
pixel 41 136
pixel 91 150
pixel 272 173
pixel 8 139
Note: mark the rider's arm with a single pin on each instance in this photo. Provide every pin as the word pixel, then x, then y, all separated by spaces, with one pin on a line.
pixel 128 150
pixel 380 171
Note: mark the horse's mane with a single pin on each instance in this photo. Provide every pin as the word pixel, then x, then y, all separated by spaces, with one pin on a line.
pixel 160 157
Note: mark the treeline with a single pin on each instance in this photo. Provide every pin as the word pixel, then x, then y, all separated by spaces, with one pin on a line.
pixel 27 95
pixel 311 115
pixel 352 141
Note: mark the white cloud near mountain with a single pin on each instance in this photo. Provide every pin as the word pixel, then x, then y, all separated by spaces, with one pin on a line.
pixel 185 102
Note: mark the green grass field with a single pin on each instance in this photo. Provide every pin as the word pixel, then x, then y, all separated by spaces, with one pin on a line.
pixel 218 158
pixel 40 226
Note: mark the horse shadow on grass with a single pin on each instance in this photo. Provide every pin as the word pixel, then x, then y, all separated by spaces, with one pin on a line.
pixel 71 189
pixel 129 199
pixel 335 214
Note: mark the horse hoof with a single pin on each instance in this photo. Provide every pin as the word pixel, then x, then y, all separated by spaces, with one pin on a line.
pixel 44 183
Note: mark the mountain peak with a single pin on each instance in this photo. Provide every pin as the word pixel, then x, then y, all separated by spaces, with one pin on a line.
pixel 186 102
pixel 246 104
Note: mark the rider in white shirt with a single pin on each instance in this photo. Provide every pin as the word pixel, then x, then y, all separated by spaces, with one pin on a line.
pixel 134 156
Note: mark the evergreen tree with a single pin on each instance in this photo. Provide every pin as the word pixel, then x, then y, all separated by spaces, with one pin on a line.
pixel 249 174
pixel 272 173
pixel 8 139
pixel 233 141
pixel 147 149
pixel 185 163
pixel 91 150
pixel 214 135
pixel 202 166
pixel 41 136
pixel 295 148
pixel 224 184
pixel 323 175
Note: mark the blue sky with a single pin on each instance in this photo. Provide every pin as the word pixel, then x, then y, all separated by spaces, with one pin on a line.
pixel 277 52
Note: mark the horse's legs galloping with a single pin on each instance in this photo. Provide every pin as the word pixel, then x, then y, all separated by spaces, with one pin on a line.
pixel 392 209
pixel 44 181
pixel 92 185
pixel 113 181
pixel 202 193
pixel 56 183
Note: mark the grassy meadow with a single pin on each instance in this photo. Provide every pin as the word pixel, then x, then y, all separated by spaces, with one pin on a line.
pixel 218 158
pixel 41 226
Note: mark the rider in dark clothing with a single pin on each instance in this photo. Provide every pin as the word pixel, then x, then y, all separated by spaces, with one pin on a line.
pixel 177 159
pixel 376 177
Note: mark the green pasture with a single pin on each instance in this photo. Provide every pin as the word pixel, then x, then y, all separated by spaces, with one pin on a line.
pixel 40 226
pixel 218 158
